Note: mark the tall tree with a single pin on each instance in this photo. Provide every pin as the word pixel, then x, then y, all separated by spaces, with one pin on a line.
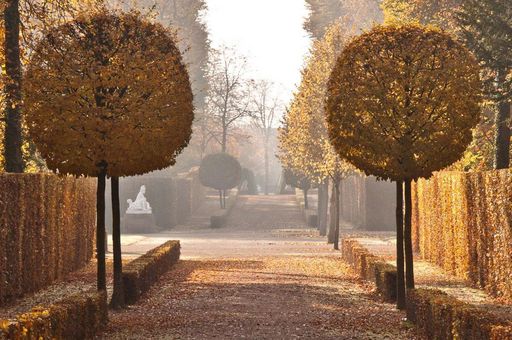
pixel 109 95
pixel 25 19
pixel 265 107
pixel 402 101
pixel 486 27
pixel 228 97
pixel 357 14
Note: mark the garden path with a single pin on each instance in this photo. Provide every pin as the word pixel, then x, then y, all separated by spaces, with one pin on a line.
pixel 264 276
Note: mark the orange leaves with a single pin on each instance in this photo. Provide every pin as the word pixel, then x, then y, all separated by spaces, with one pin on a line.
pixel 108 88
pixel 402 101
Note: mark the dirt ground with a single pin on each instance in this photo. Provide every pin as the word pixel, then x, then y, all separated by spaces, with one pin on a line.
pixel 264 276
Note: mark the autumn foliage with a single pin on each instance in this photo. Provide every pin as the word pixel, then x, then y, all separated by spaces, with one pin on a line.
pixel 461 223
pixel 108 88
pixel 402 101
pixel 46 230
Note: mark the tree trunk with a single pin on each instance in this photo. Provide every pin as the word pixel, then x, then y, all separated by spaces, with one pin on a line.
pixel 502 155
pixel 400 266
pixel 332 221
pixel 221 200
pixel 100 231
pixel 338 208
pixel 306 203
pixel 409 257
pixel 267 168
pixel 13 137
pixel 224 139
pixel 323 208
pixel 117 301
pixel 319 206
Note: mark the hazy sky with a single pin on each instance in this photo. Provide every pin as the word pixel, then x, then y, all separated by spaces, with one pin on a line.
pixel 268 32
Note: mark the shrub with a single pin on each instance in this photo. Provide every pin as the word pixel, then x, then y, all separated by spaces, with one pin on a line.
pixel 77 317
pixel 440 316
pixel 47 228
pixel 140 274
pixel 461 222
pixel 371 268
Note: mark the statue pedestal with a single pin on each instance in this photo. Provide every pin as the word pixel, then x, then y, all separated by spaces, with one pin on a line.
pixel 139 224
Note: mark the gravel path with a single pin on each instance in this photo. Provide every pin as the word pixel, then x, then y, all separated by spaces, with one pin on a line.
pixel 265 276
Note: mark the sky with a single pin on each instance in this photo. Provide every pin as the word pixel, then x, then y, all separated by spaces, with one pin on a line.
pixel 268 32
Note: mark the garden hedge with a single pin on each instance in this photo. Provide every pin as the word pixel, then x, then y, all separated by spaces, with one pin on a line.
pixel 463 223
pixel 140 274
pixel 47 226
pixel 80 316
pixel 371 267
pixel 440 316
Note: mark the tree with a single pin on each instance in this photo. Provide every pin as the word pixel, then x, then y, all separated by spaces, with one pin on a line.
pixel 227 100
pixel 357 14
pixel 264 117
pixel 24 19
pixel 222 172
pixel 108 95
pixel 486 28
pixel 305 139
pixel 402 101
pixel 440 13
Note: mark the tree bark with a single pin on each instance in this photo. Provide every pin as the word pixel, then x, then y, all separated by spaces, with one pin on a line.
pixel 337 184
pixel 100 231
pixel 306 203
pixel 117 301
pixel 400 265
pixel 332 221
pixel 267 167
pixel 409 257
pixel 502 155
pixel 221 199
pixel 324 211
pixel 319 205
pixel 13 137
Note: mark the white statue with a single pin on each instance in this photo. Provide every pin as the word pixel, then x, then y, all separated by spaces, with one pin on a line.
pixel 141 204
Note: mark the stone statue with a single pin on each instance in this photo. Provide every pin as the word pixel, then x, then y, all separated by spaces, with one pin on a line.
pixel 141 205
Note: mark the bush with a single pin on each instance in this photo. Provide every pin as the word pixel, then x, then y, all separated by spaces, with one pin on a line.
pixel 461 222
pixel 440 316
pixel 140 274
pixel 77 317
pixel 370 267
pixel 47 228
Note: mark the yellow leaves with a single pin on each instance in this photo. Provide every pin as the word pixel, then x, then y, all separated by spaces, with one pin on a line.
pixel 402 101
pixel 121 94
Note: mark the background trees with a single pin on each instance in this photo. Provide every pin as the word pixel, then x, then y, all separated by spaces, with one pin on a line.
pixel 486 28
pixel 395 107
pixel 108 95
pixel 227 100
pixel 264 116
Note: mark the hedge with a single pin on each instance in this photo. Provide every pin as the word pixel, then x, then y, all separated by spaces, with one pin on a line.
pixel 440 316
pixel 47 226
pixel 140 274
pixel 370 267
pixel 462 222
pixel 80 316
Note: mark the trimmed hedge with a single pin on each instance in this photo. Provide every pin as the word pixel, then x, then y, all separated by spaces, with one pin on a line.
pixel 47 226
pixel 371 267
pixel 140 274
pixel 463 223
pixel 80 316
pixel 220 219
pixel 440 316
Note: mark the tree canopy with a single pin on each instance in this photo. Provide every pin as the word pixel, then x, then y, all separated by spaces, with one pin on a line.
pixel 402 101
pixel 108 89
pixel 220 171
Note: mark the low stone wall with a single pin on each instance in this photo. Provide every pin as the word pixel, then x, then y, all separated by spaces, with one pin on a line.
pixel 47 230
